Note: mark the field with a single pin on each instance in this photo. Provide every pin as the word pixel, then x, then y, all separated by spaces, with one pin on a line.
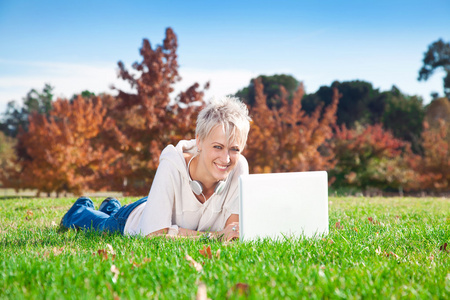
pixel 376 248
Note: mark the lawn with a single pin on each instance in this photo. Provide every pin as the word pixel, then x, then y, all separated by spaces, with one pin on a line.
pixel 376 248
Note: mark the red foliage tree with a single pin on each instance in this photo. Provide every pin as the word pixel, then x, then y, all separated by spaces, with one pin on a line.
pixel 148 120
pixel 433 167
pixel 59 153
pixel 286 139
pixel 370 157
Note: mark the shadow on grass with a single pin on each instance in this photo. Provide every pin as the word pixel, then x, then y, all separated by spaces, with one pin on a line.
pixel 15 197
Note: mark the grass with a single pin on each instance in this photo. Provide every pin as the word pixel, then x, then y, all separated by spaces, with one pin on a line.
pixel 376 248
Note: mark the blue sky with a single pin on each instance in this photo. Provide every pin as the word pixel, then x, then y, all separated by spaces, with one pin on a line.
pixel 75 45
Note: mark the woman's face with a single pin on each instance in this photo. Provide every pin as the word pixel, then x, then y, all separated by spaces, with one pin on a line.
pixel 217 158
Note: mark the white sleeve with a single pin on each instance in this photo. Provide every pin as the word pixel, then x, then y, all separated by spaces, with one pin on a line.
pixel 159 208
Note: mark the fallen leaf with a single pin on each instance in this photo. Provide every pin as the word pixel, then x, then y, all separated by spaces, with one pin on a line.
pixel 218 253
pixel 110 248
pixel 193 263
pixel 30 213
pixel 103 253
pixel 135 265
pixel 443 248
pixel 57 251
pixel 201 292
pixel 206 252
pixel 116 273
pixel 338 225
pixel 355 229
pixel 241 288
pixel 146 260
pixel 392 254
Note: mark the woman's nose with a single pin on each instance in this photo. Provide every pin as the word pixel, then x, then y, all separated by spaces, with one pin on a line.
pixel 226 157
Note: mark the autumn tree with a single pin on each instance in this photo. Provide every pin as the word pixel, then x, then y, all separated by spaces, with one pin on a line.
pixel 147 119
pixel 7 156
pixel 286 139
pixel 437 110
pixel 59 153
pixel 368 157
pixel 433 166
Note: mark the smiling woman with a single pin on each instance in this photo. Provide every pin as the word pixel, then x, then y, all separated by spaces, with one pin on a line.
pixel 195 189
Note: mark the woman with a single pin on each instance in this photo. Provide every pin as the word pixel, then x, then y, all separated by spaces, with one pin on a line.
pixel 195 189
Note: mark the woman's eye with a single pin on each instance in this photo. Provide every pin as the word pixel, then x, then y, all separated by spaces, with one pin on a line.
pixel 218 147
pixel 235 149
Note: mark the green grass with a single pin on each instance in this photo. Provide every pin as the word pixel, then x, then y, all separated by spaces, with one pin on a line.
pixel 395 255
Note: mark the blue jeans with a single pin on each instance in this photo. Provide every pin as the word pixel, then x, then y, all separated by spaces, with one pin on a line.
pixel 111 216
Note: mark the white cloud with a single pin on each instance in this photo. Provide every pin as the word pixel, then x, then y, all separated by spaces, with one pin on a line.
pixel 70 78
pixel 66 78
pixel 222 82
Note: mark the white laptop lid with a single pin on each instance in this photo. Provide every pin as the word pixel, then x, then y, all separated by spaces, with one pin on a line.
pixel 283 204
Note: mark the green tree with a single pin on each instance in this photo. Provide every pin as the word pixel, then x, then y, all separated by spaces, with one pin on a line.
pixel 437 56
pixel 404 116
pixel 360 102
pixel 34 102
pixel 272 85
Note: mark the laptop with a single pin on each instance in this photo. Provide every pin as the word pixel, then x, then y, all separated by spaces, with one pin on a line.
pixel 283 205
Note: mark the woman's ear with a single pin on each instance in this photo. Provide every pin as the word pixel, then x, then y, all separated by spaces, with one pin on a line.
pixel 198 143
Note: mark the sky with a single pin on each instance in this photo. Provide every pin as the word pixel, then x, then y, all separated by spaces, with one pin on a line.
pixel 75 45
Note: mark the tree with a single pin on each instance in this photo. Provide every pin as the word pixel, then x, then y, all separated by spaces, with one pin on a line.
pixel 60 152
pixel 437 56
pixel 370 157
pixel 286 139
pixel 7 155
pixel 433 167
pixel 360 102
pixel 404 116
pixel 272 89
pixel 438 109
pixel 17 116
pixel 147 119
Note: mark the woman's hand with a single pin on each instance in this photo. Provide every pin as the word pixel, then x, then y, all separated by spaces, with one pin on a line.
pixel 230 232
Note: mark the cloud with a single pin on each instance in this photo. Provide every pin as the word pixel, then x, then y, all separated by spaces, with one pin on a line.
pixel 19 77
pixel 222 82
pixel 66 78
pixel 69 78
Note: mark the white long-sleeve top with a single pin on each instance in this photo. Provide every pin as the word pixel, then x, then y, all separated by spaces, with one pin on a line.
pixel 172 204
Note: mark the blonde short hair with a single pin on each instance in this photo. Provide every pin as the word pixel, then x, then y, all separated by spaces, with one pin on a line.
pixel 231 114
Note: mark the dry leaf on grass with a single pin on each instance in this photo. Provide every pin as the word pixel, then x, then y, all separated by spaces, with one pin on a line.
pixel 338 225
pixel 371 220
pixel 201 292
pixel 444 248
pixel 242 289
pixel 193 263
pixel 104 252
pixel 116 273
pixel 206 252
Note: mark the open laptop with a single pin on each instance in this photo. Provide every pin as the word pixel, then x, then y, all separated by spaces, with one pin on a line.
pixel 279 205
